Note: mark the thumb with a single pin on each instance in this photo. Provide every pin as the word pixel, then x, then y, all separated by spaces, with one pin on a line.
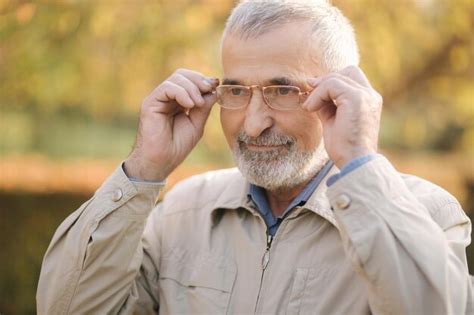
pixel 326 112
pixel 199 115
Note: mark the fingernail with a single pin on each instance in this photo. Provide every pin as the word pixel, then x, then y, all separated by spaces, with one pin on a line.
pixel 314 81
pixel 214 81
pixel 206 82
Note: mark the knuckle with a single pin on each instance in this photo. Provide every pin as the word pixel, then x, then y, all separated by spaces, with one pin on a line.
pixel 332 79
pixel 183 82
pixel 192 88
pixel 180 76
pixel 147 100
pixel 180 89
pixel 180 70
pixel 377 99
pixel 179 79
pixel 353 72
pixel 145 107
pixel 175 77
pixel 165 85
pixel 333 76
pixel 172 86
pixel 353 69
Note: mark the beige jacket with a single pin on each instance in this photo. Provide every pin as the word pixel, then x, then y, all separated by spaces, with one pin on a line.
pixel 374 242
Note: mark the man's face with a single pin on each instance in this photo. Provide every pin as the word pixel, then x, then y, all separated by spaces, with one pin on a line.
pixel 273 148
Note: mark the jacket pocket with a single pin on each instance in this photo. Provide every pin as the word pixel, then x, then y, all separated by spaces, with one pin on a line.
pixel 196 284
pixel 329 289
pixel 297 291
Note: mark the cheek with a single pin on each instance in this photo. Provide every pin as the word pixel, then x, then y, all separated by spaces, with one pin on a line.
pixel 230 125
pixel 305 127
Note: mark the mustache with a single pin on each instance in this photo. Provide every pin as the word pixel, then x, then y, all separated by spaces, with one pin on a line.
pixel 266 138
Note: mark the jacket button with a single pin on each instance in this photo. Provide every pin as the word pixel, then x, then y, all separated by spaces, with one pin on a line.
pixel 118 194
pixel 342 201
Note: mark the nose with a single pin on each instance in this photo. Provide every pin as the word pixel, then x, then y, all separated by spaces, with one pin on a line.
pixel 258 116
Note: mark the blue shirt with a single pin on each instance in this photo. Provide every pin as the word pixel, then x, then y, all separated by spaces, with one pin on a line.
pixel 259 198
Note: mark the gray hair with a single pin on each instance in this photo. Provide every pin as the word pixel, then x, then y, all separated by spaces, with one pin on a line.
pixel 332 32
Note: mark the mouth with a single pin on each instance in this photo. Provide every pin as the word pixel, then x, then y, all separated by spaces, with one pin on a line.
pixel 263 148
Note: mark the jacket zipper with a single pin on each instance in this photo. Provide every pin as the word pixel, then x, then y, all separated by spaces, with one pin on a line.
pixel 266 255
pixel 265 261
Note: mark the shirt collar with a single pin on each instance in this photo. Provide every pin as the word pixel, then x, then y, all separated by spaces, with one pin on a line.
pixel 258 195
pixel 236 194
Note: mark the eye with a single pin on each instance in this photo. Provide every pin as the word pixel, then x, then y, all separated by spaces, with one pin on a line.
pixel 283 91
pixel 237 91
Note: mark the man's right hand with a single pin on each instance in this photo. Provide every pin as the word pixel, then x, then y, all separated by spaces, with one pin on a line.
pixel 172 120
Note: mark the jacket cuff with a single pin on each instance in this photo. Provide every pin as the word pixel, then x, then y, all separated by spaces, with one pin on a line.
pixel 350 166
pixel 376 179
pixel 118 189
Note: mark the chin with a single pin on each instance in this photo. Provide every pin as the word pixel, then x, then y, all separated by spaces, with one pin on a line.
pixel 277 170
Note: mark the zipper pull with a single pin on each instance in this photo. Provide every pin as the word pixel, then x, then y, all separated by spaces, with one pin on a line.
pixel 266 255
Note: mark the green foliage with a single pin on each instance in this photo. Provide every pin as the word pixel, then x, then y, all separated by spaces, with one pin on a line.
pixel 100 59
pixel 419 55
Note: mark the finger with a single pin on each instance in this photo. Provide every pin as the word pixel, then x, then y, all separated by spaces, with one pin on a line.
pixel 205 84
pixel 189 86
pixel 314 82
pixel 169 91
pixel 327 111
pixel 356 74
pixel 199 115
pixel 331 89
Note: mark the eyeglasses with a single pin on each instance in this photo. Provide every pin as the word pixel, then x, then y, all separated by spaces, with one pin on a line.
pixel 279 97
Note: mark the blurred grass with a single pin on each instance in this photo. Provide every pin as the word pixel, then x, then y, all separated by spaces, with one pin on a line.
pixel 36 194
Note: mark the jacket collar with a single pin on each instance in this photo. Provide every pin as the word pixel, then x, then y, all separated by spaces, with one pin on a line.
pixel 319 203
pixel 235 196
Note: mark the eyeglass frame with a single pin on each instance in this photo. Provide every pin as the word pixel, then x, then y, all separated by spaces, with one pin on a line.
pixel 263 88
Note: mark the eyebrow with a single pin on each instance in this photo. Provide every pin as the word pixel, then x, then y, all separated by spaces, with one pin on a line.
pixel 273 81
pixel 281 81
pixel 231 82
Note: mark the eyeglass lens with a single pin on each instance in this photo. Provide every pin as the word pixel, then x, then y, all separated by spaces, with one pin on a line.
pixel 277 97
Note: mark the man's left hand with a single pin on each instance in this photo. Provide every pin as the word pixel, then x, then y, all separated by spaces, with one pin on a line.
pixel 349 109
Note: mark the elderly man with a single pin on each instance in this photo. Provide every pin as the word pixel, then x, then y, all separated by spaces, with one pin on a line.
pixel 312 221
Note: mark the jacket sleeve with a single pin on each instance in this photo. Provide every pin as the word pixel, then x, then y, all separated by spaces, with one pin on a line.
pixel 407 243
pixel 98 261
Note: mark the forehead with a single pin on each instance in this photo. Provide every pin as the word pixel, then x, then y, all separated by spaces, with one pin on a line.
pixel 286 51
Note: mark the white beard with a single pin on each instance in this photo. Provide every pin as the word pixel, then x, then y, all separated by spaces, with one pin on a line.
pixel 281 168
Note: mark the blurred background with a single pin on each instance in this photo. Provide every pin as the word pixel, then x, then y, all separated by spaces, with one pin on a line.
pixel 73 75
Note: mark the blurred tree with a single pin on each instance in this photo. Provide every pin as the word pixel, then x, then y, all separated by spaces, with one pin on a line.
pixel 419 55
pixel 99 59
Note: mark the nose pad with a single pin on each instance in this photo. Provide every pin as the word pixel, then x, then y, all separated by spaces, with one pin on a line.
pixel 258 116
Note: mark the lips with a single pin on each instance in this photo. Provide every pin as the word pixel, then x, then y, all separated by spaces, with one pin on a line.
pixel 267 142
pixel 263 148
